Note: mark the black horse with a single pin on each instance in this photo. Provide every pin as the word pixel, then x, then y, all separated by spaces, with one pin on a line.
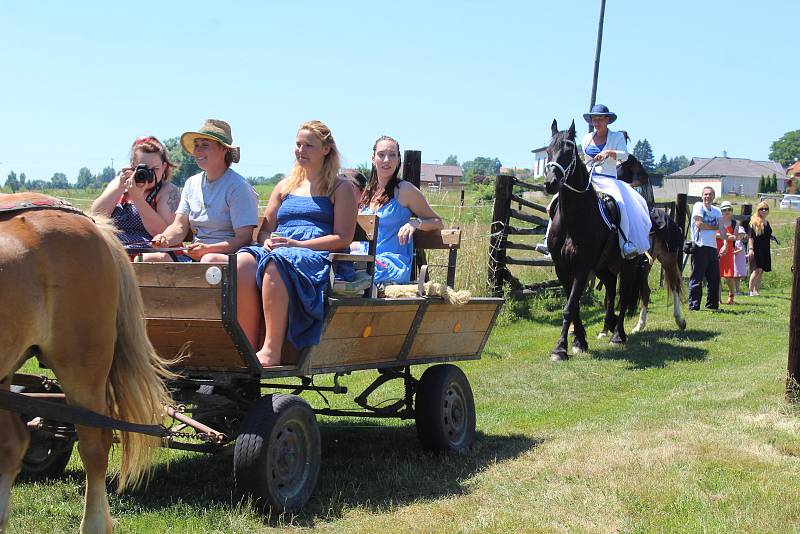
pixel 580 243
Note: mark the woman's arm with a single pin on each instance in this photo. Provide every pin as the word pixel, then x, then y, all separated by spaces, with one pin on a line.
pixel 107 201
pixel 616 147
pixel 271 213
pixel 242 237
pixel 427 219
pixel 156 220
pixel 174 233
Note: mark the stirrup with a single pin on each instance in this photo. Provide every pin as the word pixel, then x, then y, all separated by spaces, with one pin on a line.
pixel 542 247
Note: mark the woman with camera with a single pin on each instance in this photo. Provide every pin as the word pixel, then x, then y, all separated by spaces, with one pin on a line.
pixel 140 199
pixel 217 204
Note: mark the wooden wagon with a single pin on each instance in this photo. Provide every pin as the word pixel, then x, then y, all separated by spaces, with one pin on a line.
pixel 226 400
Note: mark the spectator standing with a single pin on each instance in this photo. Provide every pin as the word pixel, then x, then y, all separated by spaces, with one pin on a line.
pixel 706 221
pixel 759 253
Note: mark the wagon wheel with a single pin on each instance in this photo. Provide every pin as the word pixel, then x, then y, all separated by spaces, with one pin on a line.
pixel 48 454
pixel 277 453
pixel 445 410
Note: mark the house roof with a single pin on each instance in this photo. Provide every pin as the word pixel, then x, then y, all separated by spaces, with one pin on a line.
pixel 537 150
pixel 719 166
pixel 430 171
pixel 793 169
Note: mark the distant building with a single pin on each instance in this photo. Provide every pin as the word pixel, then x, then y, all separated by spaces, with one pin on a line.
pixel 539 159
pixel 793 172
pixel 448 177
pixel 728 176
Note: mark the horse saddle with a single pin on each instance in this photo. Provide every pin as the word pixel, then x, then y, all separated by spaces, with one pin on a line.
pixel 609 211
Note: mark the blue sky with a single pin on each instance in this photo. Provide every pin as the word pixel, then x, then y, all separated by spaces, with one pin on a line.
pixel 81 80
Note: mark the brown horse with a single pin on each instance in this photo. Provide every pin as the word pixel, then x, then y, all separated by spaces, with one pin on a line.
pixel 69 297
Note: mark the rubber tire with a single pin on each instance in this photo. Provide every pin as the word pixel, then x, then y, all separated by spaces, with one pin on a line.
pixel 444 409
pixel 277 455
pixel 46 458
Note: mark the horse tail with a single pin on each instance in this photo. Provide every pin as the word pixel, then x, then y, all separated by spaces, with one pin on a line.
pixel 136 392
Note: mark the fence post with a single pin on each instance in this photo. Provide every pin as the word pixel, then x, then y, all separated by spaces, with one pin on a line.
pixel 412 171
pixel 793 364
pixel 462 197
pixel 503 187
pixel 412 166
pixel 680 220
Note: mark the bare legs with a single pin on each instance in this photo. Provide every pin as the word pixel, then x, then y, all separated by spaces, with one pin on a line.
pixel 755 281
pixel 731 289
pixel 275 299
pixel 272 303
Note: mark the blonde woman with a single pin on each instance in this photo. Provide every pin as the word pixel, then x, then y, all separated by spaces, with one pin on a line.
pixel 758 243
pixel 283 279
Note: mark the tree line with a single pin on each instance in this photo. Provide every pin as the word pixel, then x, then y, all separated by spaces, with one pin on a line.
pixel 85 179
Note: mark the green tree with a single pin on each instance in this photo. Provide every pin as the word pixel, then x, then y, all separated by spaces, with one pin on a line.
pixel 22 180
pixel 37 185
pixel 644 153
pixel 85 179
pixel 59 181
pixel 679 162
pixel 786 150
pixel 760 184
pixel 105 176
pixel 186 164
pixel 12 182
pixel 451 160
pixel 481 166
pixel 774 183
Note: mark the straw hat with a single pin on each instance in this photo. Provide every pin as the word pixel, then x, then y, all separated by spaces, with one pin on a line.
pixel 215 130
pixel 726 205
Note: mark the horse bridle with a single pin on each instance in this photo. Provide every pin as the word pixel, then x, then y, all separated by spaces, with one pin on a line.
pixel 565 173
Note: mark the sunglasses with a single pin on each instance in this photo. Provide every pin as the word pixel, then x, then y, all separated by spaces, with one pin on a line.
pixel 763 209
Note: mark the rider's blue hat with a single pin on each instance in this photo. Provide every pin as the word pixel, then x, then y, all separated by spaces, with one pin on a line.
pixel 600 109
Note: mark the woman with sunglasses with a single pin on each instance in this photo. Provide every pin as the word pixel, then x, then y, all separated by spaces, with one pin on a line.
pixel 758 254
pixel 140 199
pixel 395 202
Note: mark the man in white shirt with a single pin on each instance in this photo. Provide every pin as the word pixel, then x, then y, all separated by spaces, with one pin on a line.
pixel 706 221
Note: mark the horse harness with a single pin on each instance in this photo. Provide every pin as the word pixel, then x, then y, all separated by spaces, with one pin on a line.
pixel 26 205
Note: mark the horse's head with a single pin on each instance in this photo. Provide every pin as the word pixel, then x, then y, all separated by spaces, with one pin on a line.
pixel 633 172
pixel 562 158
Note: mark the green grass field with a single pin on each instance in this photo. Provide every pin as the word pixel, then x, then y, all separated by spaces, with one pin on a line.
pixel 679 432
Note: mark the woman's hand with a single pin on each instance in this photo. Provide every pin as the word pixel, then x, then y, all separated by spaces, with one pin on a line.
pixel 136 192
pixel 723 249
pixel 605 154
pixel 197 250
pixel 159 241
pixel 279 241
pixel 407 231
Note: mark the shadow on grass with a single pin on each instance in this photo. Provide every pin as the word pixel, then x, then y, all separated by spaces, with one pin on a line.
pixel 656 348
pixel 366 466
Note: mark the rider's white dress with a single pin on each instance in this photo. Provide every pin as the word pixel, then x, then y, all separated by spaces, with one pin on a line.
pixel 635 215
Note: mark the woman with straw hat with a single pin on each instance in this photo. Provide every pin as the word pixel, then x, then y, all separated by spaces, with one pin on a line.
pixel 217 204
pixel 603 149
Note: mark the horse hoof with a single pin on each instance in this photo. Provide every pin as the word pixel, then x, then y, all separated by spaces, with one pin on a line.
pixel 681 324
pixel 617 341
pixel 579 350
pixel 559 356
pixel 602 335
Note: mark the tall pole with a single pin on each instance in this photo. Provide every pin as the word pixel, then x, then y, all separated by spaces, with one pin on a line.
pixel 597 57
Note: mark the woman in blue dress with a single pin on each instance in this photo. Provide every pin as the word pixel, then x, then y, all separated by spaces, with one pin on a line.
pixel 395 201
pixel 283 279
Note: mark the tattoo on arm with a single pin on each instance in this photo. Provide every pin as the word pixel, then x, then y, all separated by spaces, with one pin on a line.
pixel 173 200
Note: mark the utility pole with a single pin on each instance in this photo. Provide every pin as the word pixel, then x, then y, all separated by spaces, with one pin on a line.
pixel 597 58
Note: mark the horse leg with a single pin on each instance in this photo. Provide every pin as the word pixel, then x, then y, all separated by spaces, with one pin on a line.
pixel 570 314
pixel 610 321
pixel 83 372
pixel 13 444
pixel 629 283
pixel 644 293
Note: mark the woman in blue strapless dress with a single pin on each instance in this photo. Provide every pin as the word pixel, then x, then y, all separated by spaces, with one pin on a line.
pixel 283 280
pixel 395 201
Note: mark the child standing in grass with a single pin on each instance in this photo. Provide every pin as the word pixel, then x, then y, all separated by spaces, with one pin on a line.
pixel 739 258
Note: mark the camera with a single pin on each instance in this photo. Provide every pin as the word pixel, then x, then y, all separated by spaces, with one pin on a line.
pixel 143 174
